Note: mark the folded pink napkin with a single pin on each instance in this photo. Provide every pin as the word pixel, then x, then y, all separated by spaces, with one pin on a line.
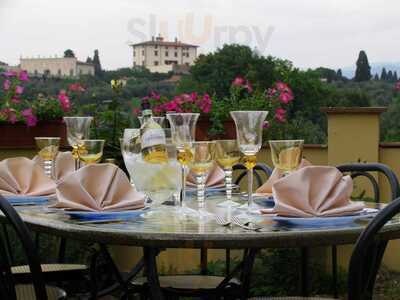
pixel 266 188
pixel 64 164
pixel 215 178
pixel 98 187
pixel 21 176
pixel 314 191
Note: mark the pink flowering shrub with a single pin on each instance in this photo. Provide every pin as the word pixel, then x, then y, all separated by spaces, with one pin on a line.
pixel 14 108
pixel 184 103
pixel 244 97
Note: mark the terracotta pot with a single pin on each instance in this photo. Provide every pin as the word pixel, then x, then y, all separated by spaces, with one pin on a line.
pixel 203 125
pixel 21 136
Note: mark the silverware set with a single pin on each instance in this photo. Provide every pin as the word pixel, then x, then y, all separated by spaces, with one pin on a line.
pixel 247 225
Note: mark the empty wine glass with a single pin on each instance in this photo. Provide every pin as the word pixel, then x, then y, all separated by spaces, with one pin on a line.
pixel 227 154
pixel 286 154
pixel 48 149
pixel 91 151
pixel 159 120
pixel 183 131
pixel 77 130
pixel 249 125
pixel 130 149
pixel 200 167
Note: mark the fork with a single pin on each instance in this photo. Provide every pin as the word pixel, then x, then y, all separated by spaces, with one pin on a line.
pixel 247 225
pixel 222 221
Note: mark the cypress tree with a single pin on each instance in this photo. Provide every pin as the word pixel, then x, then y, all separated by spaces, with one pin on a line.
pixel 376 77
pixel 363 71
pixel 69 53
pixel 339 74
pixel 384 74
pixel 89 60
pixel 97 64
pixel 396 78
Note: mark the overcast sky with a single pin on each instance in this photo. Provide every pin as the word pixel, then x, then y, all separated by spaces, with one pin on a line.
pixel 310 33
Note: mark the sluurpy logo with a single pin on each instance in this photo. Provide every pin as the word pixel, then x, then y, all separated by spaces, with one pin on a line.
pixel 200 31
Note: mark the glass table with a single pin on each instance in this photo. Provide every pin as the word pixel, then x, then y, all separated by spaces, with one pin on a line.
pixel 176 232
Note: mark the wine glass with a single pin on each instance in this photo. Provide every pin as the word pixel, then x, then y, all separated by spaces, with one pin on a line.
pixel 227 154
pixel 249 125
pixel 48 149
pixel 200 167
pixel 158 120
pixel 130 149
pixel 183 131
pixel 91 151
pixel 286 154
pixel 77 130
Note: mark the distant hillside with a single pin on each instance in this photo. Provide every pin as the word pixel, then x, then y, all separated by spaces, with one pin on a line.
pixel 375 68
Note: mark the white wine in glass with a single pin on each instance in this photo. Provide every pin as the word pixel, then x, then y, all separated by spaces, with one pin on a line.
pixel 91 151
pixel 227 154
pixel 286 154
pixel 48 149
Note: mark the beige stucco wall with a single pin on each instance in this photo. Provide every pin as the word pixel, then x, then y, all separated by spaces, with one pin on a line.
pixel 145 55
pixel 65 66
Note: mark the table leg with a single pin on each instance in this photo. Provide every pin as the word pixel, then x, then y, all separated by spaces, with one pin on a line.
pixel 150 255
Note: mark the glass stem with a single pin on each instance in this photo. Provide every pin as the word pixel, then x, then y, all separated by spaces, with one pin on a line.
pixel 250 187
pixel 183 194
pixel 76 164
pixel 228 183
pixel 201 190
pixel 48 168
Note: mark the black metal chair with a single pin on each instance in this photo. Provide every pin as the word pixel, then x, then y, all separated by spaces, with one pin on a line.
pixel 365 260
pixel 203 284
pixel 8 288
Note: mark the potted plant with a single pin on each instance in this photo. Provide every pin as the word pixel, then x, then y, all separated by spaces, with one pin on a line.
pixel 242 96
pixel 22 120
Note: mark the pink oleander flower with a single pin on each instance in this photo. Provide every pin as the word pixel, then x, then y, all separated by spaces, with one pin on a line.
pixel 270 93
pixel 282 87
pixel 9 114
pixel 76 87
pixel 155 96
pixel 205 103
pixel 23 76
pixel 239 81
pixel 29 117
pixel 64 101
pixel 136 111
pixel 19 90
pixel 171 106
pixel 6 85
pixel 157 109
pixel 280 115
pixel 10 74
pixel 286 97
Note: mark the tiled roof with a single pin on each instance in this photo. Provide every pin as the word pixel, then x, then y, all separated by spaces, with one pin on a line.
pixel 162 43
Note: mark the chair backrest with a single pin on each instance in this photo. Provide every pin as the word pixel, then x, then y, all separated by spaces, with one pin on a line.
pixel 368 253
pixel 365 170
pixel 7 288
pixel 262 168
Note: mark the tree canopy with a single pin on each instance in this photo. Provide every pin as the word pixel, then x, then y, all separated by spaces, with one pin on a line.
pixel 69 53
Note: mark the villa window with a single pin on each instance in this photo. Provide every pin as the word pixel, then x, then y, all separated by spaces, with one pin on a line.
pixel 134 53
pixel 156 53
pixel 156 63
pixel 35 72
pixel 59 72
pixel 143 52
pixel 176 54
pixel 166 53
pixel 71 72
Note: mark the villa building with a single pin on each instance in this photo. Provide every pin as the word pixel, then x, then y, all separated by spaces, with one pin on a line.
pixel 162 56
pixel 56 67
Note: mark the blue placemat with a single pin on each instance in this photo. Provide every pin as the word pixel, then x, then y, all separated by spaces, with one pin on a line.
pixel 27 200
pixel 318 222
pixel 105 215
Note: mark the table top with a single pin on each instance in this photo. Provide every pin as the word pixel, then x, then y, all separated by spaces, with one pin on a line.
pixel 169 230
